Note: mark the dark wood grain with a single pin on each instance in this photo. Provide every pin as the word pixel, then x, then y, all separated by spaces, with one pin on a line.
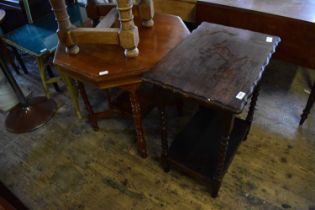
pixel 203 149
pixel 293 21
pixel 214 64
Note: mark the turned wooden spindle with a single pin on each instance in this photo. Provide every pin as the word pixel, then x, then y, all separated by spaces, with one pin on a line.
pixel 147 12
pixel 64 25
pixel 127 36
pixel 128 33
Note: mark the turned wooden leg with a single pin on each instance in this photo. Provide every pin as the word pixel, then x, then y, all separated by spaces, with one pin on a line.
pixel 64 26
pixel 164 143
pixel 309 104
pixel 250 114
pixel 227 126
pixel 92 119
pixel 147 12
pixel 109 100
pixel 72 90
pixel 128 33
pixel 136 112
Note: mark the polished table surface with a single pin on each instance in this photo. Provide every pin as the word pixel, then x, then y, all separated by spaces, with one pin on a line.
pixel 292 20
pixel 220 67
pixel 105 66
pixel 155 42
pixel 215 72
pixel 215 64
pixel 296 9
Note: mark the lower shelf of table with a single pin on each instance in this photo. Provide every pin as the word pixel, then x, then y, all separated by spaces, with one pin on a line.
pixel 195 149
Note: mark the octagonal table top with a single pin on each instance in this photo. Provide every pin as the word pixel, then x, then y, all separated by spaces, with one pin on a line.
pixel 155 43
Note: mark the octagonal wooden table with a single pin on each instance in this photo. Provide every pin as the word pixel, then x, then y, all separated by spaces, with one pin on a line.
pixel 105 66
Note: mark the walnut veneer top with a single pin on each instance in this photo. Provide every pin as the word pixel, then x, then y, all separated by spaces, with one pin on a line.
pixel 296 9
pixel 155 42
pixel 215 64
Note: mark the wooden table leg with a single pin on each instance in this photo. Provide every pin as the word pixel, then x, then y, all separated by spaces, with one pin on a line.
pixel 137 118
pixel 227 126
pixel 250 114
pixel 92 118
pixel 309 104
pixel 164 142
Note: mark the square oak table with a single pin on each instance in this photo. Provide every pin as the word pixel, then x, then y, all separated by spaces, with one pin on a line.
pixel 122 72
pixel 220 67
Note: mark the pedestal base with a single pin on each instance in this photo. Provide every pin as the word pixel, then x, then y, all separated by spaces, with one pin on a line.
pixel 23 119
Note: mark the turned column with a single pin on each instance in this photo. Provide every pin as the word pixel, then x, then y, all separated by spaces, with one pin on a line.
pixel 128 33
pixel 64 25
pixel 147 12
pixel 227 126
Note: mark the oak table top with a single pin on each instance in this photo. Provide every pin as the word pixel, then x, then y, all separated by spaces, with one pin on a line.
pixel 217 65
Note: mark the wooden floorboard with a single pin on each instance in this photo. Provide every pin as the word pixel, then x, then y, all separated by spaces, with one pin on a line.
pixel 67 165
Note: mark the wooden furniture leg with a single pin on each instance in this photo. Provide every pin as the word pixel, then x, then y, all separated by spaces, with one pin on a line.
pixel 42 73
pixel 136 113
pixel 164 142
pixel 227 126
pixel 147 12
pixel 92 118
pixel 72 92
pixel 250 114
pixel 44 68
pixel 52 75
pixel 309 104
